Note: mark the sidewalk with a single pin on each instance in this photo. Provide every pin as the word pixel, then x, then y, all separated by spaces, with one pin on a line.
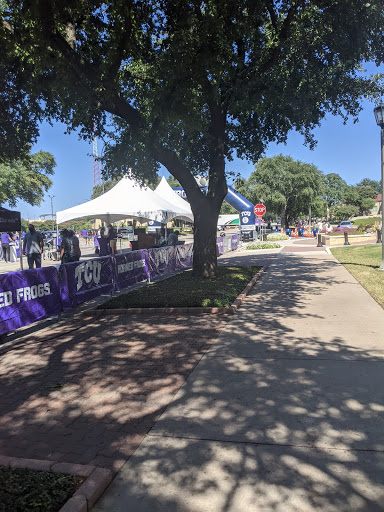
pixel 283 413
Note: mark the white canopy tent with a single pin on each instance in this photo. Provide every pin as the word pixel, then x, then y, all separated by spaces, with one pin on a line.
pixel 165 191
pixel 127 199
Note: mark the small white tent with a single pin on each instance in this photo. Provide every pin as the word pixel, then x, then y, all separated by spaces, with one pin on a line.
pixel 165 191
pixel 125 200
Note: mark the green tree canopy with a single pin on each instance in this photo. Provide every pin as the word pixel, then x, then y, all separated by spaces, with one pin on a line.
pixel 368 182
pixel 173 182
pixel 335 189
pixel 27 179
pixel 341 212
pixel 286 186
pixel 361 196
pixel 187 84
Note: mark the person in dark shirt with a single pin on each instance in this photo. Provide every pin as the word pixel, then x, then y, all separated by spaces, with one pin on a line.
pixel 103 243
pixel 112 237
pixel 33 242
pixel 70 249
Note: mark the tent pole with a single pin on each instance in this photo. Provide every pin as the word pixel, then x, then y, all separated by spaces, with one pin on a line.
pixel 57 236
pixel 21 252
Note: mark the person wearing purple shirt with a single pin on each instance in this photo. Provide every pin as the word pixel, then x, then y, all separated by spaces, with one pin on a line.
pixel 5 239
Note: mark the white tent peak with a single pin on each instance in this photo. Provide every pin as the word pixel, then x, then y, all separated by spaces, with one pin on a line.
pixel 127 199
pixel 165 191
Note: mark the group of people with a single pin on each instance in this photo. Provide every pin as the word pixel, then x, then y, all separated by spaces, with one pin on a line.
pixel 33 244
pixel 8 246
pixel 325 227
pixel 107 241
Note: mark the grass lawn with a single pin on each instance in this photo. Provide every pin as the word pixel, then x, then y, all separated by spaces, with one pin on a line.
pixel 185 290
pixel 362 262
pixel 24 490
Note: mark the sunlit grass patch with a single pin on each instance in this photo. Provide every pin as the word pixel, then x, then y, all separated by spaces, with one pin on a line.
pixel 362 262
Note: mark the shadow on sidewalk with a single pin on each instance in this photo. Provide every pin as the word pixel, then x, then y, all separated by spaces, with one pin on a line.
pixel 274 417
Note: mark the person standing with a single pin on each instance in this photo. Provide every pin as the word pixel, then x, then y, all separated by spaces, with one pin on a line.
pixel 33 242
pixel 112 237
pixel 70 248
pixel 74 244
pixel 103 242
pixel 5 240
pixel 12 248
pixel 173 238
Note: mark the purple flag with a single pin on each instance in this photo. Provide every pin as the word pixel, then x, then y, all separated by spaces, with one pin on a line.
pixel 82 281
pixel 219 245
pixel 162 260
pixel 28 296
pixel 130 268
pixel 184 256
pixel 234 242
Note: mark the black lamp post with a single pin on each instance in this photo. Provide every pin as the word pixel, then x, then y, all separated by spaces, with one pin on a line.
pixel 379 116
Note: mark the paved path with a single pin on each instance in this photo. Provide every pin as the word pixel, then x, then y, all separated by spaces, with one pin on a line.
pixel 89 392
pixel 283 413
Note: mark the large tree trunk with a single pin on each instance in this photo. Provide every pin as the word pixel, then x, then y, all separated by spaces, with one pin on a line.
pixel 205 208
pixel 284 220
pixel 205 233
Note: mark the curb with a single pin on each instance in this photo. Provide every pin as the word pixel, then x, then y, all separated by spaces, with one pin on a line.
pixel 95 483
pixel 229 310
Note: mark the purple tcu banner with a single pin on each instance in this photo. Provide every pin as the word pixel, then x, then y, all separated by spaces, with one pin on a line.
pixel 184 256
pixel 234 242
pixel 130 268
pixel 28 296
pixel 82 281
pixel 219 245
pixel 162 260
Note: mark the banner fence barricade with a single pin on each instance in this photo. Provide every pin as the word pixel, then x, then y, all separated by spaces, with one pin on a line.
pixel 28 296
pixel 31 295
pixel 85 280
pixel 219 245
pixel 130 268
pixel 234 242
pixel 184 256
pixel 162 260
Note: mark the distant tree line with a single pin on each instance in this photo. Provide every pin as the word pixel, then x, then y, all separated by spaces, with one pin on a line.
pixel 289 188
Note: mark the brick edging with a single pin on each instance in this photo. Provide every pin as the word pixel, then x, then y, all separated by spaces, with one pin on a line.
pixel 95 483
pixel 229 310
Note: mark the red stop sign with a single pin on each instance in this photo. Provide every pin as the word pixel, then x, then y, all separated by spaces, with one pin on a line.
pixel 259 210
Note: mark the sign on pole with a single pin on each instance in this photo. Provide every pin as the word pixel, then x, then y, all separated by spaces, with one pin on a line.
pixel 260 210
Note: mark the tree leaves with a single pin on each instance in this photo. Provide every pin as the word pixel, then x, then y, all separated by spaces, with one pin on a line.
pixel 27 179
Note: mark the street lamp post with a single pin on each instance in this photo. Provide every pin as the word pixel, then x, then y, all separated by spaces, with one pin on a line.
pixel 53 222
pixel 379 116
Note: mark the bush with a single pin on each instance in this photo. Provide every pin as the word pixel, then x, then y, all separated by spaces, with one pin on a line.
pixel 272 237
pixel 263 245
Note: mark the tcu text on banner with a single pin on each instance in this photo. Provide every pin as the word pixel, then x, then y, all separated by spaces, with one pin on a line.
pixel 28 296
pixel 82 281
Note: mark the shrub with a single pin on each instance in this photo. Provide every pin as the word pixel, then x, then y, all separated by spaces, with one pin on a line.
pixel 263 245
pixel 272 237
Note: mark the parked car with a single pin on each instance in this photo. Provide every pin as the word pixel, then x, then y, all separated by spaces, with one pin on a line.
pixel 346 224
pixel 124 231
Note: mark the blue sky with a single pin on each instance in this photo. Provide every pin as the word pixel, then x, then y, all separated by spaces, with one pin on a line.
pixel 353 151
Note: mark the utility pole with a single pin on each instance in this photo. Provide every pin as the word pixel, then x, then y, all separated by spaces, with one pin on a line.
pixel 53 220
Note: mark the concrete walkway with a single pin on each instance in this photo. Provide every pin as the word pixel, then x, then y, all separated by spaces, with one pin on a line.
pixel 284 412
